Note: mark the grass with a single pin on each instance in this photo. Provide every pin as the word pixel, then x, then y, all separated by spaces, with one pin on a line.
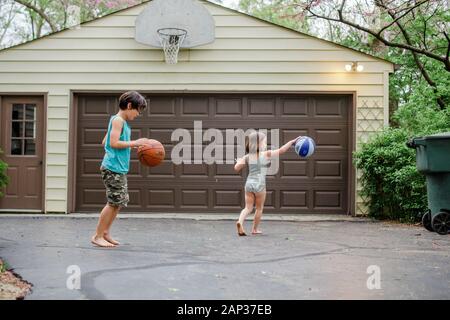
pixel 3 266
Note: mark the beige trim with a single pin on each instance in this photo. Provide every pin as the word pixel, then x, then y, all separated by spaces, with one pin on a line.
pixel 386 98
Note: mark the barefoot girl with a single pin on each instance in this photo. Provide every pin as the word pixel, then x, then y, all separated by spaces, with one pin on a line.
pixel 258 159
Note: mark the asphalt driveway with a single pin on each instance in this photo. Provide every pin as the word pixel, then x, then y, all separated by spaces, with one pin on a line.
pixel 192 259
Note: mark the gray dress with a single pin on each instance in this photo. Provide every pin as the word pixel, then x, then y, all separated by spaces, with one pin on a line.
pixel 257 170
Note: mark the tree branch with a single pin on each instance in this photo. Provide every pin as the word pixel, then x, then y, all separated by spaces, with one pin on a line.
pixel 419 64
pixel 400 17
pixel 382 39
pixel 448 48
pixel 39 12
pixel 7 23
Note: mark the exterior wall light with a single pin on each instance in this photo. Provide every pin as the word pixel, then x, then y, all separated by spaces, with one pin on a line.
pixel 354 67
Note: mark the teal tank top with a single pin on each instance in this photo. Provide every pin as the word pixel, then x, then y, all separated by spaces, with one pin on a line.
pixel 117 160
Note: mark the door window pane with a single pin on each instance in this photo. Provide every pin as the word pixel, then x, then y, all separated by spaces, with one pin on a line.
pixel 30 147
pixel 30 111
pixel 16 146
pixel 17 129
pixel 30 128
pixel 17 112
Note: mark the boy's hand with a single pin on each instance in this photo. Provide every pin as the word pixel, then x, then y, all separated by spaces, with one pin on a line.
pixel 139 142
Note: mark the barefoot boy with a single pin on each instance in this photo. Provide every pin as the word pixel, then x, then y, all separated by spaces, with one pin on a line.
pixel 116 163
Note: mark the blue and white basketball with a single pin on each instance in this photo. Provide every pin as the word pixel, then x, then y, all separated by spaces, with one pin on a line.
pixel 305 147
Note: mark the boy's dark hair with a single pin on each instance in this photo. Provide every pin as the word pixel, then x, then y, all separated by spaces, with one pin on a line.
pixel 252 142
pixel 137 101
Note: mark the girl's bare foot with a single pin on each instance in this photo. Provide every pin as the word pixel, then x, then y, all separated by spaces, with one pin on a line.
pixel 256 232
pixel 108 238
pixel 101 242
pixel 240 229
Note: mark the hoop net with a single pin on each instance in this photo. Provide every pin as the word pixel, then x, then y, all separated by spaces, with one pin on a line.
pixel 171 39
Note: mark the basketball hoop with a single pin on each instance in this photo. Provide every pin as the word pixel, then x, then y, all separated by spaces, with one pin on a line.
pixel 171 40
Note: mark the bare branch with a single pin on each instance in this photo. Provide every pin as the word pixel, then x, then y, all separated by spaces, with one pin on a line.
pixel 8 22
pixel 409 47
pixel 38 11
pixel 400 17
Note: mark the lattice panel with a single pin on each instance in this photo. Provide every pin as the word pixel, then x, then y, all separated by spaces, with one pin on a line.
pixel 369 121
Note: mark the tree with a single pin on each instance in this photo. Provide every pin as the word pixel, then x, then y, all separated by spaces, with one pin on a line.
pixel 411 24
pixel 24 20
pixel 281 12
pixel 411 33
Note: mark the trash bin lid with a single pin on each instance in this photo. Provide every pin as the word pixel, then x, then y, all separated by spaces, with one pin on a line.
pixel 442 135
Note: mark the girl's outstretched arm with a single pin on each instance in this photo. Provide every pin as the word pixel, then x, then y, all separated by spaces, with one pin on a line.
pixel 283 149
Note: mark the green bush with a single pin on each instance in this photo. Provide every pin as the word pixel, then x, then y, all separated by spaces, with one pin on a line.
pixel 390 181
pixel 3 176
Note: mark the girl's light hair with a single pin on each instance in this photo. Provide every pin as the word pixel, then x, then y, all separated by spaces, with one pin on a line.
pixel 253 142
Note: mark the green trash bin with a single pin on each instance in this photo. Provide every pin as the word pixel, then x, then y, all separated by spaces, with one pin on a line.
pixel 433 160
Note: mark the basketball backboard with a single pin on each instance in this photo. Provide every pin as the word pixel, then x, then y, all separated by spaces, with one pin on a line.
pixel 189 15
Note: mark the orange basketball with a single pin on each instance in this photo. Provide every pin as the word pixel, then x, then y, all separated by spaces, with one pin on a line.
pixel 152 153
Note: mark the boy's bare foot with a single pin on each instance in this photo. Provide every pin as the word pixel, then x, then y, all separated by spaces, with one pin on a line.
pixel 240 229
pixel 108 238
pixel 256 232
pixel 101 242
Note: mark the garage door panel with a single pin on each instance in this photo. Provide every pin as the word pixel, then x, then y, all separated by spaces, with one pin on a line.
pixel 294 199
pixel 89 166
pixel 294 108
pixel 161 198
pixel 197 170
pixel 224 199
pixel 294 168
pixel 330 138
pixel 195 198
pixel 289 134
pixel 270 200
pixel 136 198
pixel 329 107
pixel 261 107
pixel 328 169
pixel 195 107
pixel 162 135
pixel 328 199
pixel 314 185
pixel 165 169
pixel 98 106
pixel 92 136
pixel 136 169
pixel 161 107
pixel 228 107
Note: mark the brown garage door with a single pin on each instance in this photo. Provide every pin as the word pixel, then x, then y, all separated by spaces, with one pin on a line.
pixel 318 185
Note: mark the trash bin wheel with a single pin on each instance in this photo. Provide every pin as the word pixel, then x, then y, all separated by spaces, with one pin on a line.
pixel 426 221
pixel 441 222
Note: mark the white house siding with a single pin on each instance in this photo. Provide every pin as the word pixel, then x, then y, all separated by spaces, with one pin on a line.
pixel 248 55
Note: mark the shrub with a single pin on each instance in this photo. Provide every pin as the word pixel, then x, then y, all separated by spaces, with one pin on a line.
pixel 3 176
pixel 390 181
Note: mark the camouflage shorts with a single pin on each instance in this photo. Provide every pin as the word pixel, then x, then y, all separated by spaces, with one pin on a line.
pixel 116 188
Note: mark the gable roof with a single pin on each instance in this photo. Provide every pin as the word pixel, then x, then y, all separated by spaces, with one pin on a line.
pixel 218 5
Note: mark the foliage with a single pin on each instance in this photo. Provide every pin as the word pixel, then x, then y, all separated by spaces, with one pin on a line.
pixel 390 180
pixel 3 266
pixel 276 11
pixel 3 177
pixel 19 23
